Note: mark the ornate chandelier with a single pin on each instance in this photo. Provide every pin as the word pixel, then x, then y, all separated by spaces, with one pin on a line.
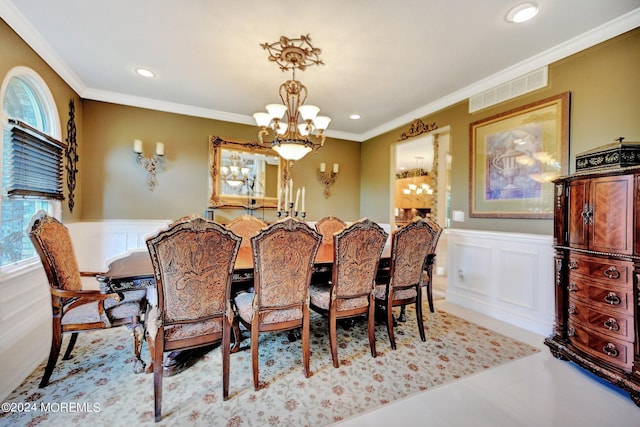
pixel 293 123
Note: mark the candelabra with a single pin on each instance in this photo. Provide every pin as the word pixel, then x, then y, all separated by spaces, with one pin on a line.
pixel 327 178
pixel 290 208
pixel 151 164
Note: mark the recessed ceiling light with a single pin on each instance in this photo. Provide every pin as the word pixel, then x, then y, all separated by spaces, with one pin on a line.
pixel 522 13
pixel 354 116
pixel 144 72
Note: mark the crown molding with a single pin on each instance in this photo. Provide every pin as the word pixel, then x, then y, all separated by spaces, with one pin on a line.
pixel 21 26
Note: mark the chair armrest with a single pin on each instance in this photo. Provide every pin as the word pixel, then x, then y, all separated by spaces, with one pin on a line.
pixel 91 273
pixel 94 295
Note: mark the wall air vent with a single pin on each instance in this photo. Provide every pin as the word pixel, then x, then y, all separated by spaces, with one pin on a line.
pixel 519 86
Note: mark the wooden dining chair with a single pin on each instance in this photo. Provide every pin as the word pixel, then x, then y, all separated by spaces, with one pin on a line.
pixel 74 309
pixel 328 226
pixel 193 260
pixel 357 250
pixel 429 262
pixel 410 246
pixel 283 256
pixel 246 226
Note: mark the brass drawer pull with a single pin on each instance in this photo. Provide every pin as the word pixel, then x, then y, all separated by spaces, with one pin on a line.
pixel 572 309
pixel 612 325
pixel 573 264
pixel 612 298
pixel 571 331
pixel 572 287
pixel 612 273
pixel 610 350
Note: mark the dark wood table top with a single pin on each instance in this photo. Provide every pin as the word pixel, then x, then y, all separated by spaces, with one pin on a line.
pixel 137 264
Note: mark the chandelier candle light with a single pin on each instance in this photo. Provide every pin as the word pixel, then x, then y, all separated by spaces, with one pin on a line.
pixel 292 123
pixel 151 164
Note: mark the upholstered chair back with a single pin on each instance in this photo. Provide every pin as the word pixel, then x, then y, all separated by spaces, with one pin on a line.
pixel 410 246
pixel 357 251
pixel 52 241
pixel 328 226
pixel 193 261
pixel 283 255
pixel 246 227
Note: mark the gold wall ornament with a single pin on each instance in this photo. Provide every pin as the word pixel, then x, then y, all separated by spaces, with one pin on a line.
pixel 418 127
pixel 327 178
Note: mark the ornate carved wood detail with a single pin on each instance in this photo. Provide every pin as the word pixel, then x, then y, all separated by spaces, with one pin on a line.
pixel 418 127
pixel 71 155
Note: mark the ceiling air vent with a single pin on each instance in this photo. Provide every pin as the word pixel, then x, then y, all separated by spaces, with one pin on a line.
pixel 519 86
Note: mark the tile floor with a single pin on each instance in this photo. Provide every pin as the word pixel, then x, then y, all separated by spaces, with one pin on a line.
pixel 538 390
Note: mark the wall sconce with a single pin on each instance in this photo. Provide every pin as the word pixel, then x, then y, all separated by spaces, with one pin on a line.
pixel 151 164
pixel 327 178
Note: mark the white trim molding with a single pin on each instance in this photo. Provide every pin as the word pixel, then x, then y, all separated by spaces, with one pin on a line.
pixel 507 276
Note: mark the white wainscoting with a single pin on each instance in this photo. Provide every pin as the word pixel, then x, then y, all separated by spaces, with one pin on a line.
pixel 508 276
pixel 25 304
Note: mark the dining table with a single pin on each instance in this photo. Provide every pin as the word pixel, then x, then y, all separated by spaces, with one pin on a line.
pixel 134 270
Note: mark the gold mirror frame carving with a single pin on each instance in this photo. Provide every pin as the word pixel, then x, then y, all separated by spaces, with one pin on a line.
pixel 218 200
pixel 417 128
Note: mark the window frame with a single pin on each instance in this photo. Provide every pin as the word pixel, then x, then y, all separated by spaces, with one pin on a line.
pixel 52 127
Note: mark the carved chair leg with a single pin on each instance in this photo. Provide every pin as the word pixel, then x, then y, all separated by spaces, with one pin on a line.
pixel 402 317
pixel 254 354
pixel 419 311
pixel 333 339
pixel 305 341
pixel 237 336
pixel 138 337
pixel 54 352
pixel 392 339
pixel 157 375
pixel 371 327
pixel 226 344
pixel 430 296
pixel 72 343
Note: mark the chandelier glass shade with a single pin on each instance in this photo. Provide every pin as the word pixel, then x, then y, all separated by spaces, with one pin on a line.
pixel 235 174
pixel 293 125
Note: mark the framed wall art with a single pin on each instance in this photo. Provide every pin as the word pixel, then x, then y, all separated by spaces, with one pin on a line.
pixel 514 157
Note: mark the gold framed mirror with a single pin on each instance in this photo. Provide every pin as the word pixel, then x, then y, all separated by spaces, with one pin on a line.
pixel 243 174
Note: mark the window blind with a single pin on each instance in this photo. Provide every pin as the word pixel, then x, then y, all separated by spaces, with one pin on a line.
pixel 35 163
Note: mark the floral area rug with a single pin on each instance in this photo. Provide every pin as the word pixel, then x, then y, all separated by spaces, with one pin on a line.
pixel 98 386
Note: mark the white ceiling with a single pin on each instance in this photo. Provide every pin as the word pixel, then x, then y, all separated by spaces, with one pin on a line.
pixel 389 61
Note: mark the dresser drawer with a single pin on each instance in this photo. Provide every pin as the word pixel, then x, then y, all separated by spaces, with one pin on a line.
pixel 610 350
pixel 602 269
pixel 601 296
pixel 608 322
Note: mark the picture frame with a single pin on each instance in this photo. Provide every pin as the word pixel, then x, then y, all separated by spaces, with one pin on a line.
pixel 514 157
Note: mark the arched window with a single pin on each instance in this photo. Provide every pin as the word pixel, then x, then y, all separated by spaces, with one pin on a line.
pixel 26 99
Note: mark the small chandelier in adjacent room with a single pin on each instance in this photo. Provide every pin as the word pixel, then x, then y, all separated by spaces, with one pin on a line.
pixel 293 123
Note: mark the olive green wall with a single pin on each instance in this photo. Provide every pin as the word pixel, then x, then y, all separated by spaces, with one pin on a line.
pixel 15 52
pixel 115 185
pixel 604 82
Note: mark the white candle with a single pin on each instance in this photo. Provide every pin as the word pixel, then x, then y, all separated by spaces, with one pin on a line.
pixel 323 167
pixel 160 149
pixel 137 146
pixel 335 168
pixel 295 208
pixel 291 190
pixel 303 191
pixel 286 197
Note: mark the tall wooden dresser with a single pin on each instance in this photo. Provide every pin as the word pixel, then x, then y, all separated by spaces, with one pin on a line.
pixel 597 266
